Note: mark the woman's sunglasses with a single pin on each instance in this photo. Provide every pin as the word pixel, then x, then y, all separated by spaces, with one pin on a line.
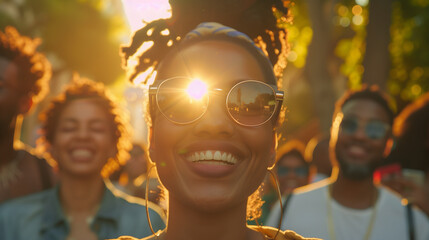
pixel 373 129
pixel 184 100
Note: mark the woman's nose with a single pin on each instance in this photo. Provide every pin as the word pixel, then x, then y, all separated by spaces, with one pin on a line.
pixel 83 133
pixel 216 120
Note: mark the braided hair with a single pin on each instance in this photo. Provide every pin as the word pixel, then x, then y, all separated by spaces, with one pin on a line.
pixel 261 20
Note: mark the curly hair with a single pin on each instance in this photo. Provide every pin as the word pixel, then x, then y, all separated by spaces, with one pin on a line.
pixel 261 20
pixel 34 69
pixel 82 88
pixel 411 130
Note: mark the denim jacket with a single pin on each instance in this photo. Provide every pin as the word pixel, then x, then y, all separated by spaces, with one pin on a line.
pixel 40 217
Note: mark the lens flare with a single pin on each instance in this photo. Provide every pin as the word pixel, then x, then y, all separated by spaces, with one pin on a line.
pixel 196 89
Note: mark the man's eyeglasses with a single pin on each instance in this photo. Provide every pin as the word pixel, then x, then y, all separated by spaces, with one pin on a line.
pixel 184 100
pixel 374 129
pixel 299 171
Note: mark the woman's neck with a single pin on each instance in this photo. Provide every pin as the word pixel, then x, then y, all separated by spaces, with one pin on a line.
pixel 80 196
pixel 190 223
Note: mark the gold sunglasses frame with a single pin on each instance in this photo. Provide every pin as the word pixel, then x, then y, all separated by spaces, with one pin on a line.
pixel 153 97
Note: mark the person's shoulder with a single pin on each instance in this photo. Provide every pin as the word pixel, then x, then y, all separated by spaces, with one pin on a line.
pixel 131 203
pixel 125 238
pixel 394 201
pixel 31 156
pixel 153 237
pixel 312 189
pixel 27 154
pixel 19 208
pixel 276 234
pixel 26 201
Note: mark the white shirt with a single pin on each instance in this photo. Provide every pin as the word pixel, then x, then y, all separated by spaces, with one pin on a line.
pixel 307 214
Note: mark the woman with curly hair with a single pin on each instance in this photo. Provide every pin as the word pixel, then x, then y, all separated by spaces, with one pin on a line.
pixel 85 133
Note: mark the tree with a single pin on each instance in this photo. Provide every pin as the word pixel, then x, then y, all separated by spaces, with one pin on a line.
pixel 77 33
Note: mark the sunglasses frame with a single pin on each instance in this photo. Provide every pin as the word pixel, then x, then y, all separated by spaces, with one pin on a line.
pixel 364 125
pixel 154 89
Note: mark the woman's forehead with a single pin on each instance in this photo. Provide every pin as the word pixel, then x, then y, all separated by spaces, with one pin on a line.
pixel 213 59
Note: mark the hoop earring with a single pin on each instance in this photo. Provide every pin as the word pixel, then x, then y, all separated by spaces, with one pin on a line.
pixel 146 194
pixel 279 195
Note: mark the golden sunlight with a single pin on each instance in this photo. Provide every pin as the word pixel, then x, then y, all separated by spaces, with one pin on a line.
pixel 197 89
pixel 140 12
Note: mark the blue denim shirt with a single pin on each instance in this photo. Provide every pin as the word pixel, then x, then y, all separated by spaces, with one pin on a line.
pixel 40 217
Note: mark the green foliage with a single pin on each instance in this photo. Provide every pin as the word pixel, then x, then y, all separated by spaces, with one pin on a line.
pixel 409 76
pixel 78 33
pixel 299 34
pixel 409 48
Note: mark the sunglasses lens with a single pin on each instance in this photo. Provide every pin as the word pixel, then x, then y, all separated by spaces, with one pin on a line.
pixel 251 103
pixel 299 171
pixel 375 130
pixel 302 171
pixel 175 102
pixel 281 171
pixel 349 126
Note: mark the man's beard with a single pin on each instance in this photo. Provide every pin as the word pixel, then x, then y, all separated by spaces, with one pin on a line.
pixel 355 171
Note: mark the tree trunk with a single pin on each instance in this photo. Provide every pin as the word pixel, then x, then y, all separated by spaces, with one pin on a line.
pixel 316 68
pixel 377 59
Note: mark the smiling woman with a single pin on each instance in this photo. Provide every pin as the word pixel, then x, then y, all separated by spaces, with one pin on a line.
pixel 84 132
pixel 212 155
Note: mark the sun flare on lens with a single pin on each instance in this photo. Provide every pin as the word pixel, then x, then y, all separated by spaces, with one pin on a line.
pixel 196 89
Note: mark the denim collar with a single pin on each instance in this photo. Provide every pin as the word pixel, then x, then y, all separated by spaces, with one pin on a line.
pixel 54 216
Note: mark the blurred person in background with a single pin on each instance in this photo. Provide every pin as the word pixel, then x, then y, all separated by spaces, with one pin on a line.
pixel 24 77
pixel 293 171
pixel 86 134
pixel 317 150
pixel 350 206
pixel 131 178
pixel 292 168
pixel 411 151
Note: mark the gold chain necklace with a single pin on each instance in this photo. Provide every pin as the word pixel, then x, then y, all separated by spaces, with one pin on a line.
pixel 11 172
pixel 331 218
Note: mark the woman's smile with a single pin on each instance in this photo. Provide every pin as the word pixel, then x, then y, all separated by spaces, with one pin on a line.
pixel 212 157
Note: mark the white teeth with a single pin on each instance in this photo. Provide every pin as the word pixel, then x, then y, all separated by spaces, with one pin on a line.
pixel 209 155
pixel 214 157
pixel 81 153
pixel 357 150
pixel 217 156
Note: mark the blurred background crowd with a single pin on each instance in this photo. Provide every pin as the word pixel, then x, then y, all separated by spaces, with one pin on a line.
pixel 333 46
